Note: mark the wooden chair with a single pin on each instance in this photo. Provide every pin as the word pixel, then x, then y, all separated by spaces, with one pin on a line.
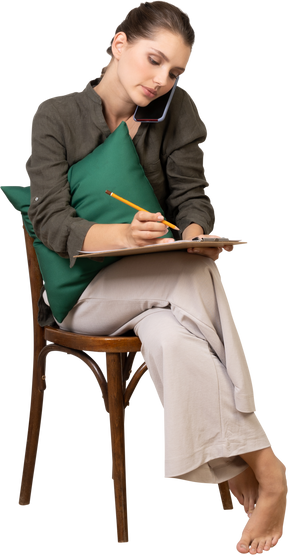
pixel 120 353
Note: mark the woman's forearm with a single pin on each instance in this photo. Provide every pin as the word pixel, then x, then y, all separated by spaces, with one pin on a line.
pixel 102 237
pixel 146 228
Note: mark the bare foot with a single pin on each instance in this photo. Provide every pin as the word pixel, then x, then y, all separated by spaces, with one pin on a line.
pixel 264 528
pixel 246 489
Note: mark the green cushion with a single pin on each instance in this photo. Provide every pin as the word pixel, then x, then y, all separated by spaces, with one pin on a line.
pixel 113 165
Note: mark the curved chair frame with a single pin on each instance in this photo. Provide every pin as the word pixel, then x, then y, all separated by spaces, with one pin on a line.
pixel 120 354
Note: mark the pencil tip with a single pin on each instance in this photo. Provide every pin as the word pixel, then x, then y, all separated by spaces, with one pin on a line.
pixel 108 192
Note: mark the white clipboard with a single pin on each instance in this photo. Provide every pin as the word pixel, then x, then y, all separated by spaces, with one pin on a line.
pixel 239 242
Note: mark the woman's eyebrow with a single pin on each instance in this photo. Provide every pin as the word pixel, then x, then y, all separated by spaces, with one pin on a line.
pixel 166 59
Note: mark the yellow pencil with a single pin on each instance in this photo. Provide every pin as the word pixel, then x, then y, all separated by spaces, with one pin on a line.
pixel 138 208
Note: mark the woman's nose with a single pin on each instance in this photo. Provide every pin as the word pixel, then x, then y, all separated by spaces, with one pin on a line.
pixel 161 79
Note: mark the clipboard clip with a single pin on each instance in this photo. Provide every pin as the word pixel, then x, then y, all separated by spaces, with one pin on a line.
pixel 210 239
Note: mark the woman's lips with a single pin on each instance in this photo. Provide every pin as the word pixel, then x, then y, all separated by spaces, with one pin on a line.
pixel 151 93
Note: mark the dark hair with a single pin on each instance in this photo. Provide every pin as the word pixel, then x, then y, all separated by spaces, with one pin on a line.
pixel 142 22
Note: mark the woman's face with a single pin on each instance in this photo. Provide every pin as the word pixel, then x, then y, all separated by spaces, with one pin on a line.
pixel 148 68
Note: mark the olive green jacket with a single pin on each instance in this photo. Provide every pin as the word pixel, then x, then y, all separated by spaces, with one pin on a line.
pixel 67 128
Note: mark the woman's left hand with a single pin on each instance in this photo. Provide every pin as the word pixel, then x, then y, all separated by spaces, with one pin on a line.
pixel 211 252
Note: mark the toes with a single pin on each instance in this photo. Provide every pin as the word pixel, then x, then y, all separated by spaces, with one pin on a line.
pixel 268 544
pixel 249 505
pixel 254 546
pixel 247 514
pixel 260 546
pixel 276 544
pixel 242 547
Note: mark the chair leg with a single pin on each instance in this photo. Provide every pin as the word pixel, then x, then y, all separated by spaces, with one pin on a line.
pixel 225 496
pixel 116 411
pixel 31 445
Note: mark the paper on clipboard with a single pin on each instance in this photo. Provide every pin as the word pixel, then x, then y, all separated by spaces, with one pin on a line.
pixel 162 247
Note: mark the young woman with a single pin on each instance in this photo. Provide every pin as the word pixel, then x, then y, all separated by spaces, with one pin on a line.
pixel 174 301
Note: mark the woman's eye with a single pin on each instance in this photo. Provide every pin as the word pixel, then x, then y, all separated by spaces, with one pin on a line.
pixel 154 63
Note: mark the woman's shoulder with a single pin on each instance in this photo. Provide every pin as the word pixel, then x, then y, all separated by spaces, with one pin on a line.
pixel 183 122
pixel 183 105
pixel 68 105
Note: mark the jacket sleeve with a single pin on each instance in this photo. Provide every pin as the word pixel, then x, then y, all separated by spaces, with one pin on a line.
pixel 54 220
pixel 184 168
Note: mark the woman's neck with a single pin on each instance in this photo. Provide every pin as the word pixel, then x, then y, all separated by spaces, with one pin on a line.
pixel 112 121
pixel 116 106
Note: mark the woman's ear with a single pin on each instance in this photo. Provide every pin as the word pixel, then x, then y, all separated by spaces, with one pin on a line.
pixel 118 44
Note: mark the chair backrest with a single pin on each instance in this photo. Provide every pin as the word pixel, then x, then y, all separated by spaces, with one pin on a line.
pixel 36 283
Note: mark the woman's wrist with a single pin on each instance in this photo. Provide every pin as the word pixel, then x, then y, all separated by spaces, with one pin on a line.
pixel 191 231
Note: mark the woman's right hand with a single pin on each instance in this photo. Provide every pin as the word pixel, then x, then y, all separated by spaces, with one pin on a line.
pixel 146 228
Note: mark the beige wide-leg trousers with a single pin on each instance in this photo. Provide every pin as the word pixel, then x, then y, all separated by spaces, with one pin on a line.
pixel 176 304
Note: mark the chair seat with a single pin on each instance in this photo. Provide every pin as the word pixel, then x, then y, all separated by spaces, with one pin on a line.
pixel 105 344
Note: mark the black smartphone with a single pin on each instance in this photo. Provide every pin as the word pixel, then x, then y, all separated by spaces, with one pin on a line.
pixel 157 109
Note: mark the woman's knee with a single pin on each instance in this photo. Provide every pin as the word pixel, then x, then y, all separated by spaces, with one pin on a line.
pixel 158 328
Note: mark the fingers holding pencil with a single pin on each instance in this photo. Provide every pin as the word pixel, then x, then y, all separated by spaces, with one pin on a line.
pixel 147 228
